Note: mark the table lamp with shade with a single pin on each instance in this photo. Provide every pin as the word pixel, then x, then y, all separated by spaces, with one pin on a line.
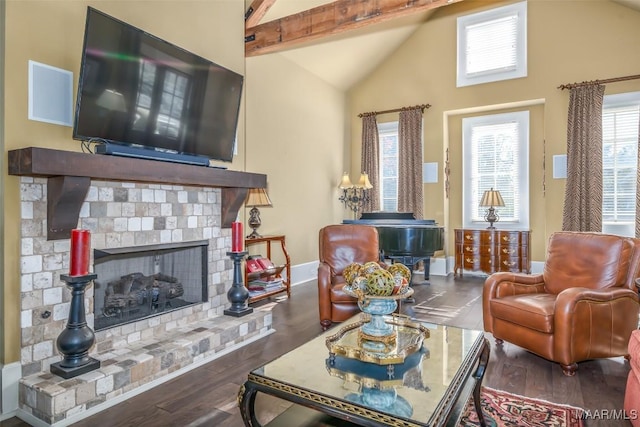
pixel 491 199
pixel 257 197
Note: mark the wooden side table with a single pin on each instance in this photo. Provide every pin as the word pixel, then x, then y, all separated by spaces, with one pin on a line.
pixel 286 281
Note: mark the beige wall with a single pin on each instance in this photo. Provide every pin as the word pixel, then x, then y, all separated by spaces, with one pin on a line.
pixel 51 32
pixel 293 123
pixel 295 135
pixel 568 41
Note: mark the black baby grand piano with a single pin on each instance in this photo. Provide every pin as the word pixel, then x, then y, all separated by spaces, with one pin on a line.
pixel 403 238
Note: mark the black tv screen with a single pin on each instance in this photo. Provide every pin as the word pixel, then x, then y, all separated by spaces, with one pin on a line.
pixel 137 90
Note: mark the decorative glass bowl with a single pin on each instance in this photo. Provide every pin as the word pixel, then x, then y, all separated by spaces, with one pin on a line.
pixel 377 334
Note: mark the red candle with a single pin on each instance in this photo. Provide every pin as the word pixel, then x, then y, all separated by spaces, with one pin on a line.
pixel 80 244
pixel 236 237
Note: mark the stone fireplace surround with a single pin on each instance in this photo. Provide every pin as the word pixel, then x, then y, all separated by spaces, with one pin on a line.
pixel 136 356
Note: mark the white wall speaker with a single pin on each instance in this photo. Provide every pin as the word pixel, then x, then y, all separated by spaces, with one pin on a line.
pixel 430 173
pixel 560 166
pixel 50 94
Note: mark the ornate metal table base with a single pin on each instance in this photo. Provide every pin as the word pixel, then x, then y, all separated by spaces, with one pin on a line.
pixel 479 375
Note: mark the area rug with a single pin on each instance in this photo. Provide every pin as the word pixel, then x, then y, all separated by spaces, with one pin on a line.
pixel 502 409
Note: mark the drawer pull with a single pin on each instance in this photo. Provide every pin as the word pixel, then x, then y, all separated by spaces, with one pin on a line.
pixel 509 239
pixel 509 264
pixel 471 260
pixel 508 252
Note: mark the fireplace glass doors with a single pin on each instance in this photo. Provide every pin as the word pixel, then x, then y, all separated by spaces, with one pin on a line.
pixel 144 281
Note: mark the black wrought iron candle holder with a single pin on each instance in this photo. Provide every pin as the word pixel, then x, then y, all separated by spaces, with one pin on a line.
pixel 238 294
pixel 77 338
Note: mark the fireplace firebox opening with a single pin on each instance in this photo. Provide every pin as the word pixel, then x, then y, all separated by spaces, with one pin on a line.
pixel 135 283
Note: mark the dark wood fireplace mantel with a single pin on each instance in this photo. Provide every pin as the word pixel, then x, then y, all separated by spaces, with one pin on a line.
pixel 69 176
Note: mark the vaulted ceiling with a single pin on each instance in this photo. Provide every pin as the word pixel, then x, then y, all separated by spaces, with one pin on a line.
pixel 344 49
pixel 340 41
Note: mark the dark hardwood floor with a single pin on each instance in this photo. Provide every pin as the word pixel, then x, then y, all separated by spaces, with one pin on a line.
pixel 206 396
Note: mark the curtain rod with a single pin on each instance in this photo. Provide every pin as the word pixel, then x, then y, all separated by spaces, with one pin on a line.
pixel 597 82
pixel 395 110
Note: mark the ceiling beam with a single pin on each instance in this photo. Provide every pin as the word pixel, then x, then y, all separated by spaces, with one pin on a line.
pixel 256 12
pixel 329 19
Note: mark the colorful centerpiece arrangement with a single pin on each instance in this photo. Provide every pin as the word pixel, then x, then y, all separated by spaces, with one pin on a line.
pixel 373 279
pixel 377 288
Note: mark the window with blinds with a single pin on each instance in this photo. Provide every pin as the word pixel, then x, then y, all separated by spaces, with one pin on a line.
pixel 496 151
pixel 620 127
pixel 492 45
pixel 388 137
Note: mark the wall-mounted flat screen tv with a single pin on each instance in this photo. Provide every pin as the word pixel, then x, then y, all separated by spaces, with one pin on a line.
pixel 137 92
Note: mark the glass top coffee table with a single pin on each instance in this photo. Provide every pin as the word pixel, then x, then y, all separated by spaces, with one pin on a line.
pixel 424 378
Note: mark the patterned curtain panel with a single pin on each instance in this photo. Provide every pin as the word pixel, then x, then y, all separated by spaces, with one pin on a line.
pixel 410 197
pixel 638 188
pixel 583 193
pixel 371 160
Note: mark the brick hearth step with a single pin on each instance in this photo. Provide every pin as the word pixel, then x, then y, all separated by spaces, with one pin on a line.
pixel 46 399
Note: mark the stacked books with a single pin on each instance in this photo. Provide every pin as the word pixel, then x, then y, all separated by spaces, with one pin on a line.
pixel 264 285
pixel 263 276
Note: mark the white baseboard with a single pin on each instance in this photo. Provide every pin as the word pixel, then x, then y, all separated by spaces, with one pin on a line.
pixel 10 379
pixel 440 266
pixel 537 267
pixel 302 273
pixel 445 266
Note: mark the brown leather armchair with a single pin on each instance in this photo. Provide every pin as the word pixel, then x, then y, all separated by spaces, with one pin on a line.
pixel 339 246
pixel 583 306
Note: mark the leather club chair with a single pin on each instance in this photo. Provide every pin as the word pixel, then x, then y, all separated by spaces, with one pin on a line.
pixel 583 306
pixel 339 246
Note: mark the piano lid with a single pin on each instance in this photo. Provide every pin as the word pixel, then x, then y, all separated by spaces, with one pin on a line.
pixel 403 223
pixel 391 219
pixel 388 215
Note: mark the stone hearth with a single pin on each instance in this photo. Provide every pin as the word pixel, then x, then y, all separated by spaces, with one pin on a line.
pixel 138 355
pixel 46 399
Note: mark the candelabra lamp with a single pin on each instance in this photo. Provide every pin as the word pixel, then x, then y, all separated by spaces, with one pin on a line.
pixel 257 197
pixel 490 199
pixel 75 341
pixel 238 295
pixel 355 196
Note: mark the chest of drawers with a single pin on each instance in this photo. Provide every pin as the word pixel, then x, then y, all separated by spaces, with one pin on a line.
pixel 492 250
